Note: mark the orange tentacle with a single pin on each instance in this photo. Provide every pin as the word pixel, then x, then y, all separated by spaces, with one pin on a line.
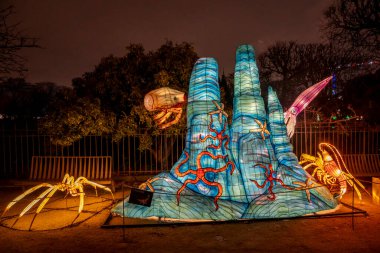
pixel 221 169
pixel 206 138
pixel 182 174
pixel 220 191
pixel 257 184
pixel 188 181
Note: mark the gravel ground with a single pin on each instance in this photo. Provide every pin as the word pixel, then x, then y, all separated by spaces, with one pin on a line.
pixel 336 234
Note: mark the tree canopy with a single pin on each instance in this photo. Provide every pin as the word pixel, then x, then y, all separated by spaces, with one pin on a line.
pixel 291 67
pixel 11 42
pixel 350 53
pixel 116 88
pixel 355 24
pixel 20 99
pixel 109 98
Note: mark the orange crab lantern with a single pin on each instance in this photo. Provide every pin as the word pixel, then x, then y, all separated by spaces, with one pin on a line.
pixel 331 169
pixel 169 102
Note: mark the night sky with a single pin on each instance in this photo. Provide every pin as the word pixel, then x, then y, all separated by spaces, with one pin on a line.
pixel 76 34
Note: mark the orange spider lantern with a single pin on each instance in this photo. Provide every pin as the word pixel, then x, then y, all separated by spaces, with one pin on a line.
pixel 168 101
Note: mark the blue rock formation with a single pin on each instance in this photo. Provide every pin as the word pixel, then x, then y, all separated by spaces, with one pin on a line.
pixel 244 171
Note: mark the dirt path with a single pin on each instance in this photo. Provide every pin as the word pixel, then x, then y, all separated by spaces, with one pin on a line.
pixel 291 235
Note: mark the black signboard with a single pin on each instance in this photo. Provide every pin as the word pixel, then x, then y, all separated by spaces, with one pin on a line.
pixel 140 197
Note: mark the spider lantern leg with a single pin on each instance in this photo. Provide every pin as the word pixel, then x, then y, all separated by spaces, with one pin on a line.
pixel 41 196
pixel 48 197
pixel 81 198
pixel 82 180
pixel 25 194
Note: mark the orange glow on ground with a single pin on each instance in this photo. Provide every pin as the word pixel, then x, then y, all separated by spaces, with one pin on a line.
pixel 376 190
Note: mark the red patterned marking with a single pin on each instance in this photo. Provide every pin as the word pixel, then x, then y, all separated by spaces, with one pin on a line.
pixel 200 174
pixel 221 136
pixel 269 178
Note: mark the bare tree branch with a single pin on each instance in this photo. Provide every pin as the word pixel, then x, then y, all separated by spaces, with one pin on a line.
pixel 11 42
pixel 355 24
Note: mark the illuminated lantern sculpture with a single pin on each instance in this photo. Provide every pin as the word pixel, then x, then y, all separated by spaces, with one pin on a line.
pixel 68 185
pixel 246 170
pixel 331 171
pixel 301 102
pixel 168 101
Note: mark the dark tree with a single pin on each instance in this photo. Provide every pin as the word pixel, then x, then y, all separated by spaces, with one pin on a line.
pixel 355 24
pixel 19 99
pixel 11 42
pixel 291 68
pixel 116 88
pixel 81 118
pixel 226 84
pixel 121 82
pixel 281 61
pixel 362 94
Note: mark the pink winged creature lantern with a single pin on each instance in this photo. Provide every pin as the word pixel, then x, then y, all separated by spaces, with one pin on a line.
pixel 168 101
pixel 301 102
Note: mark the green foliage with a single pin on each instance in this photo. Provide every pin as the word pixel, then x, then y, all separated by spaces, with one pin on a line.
pixel 83 118
pixel 110 98
pixel 121 82
pixel 126 126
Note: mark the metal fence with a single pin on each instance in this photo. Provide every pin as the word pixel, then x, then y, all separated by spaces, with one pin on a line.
pixel 19 144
